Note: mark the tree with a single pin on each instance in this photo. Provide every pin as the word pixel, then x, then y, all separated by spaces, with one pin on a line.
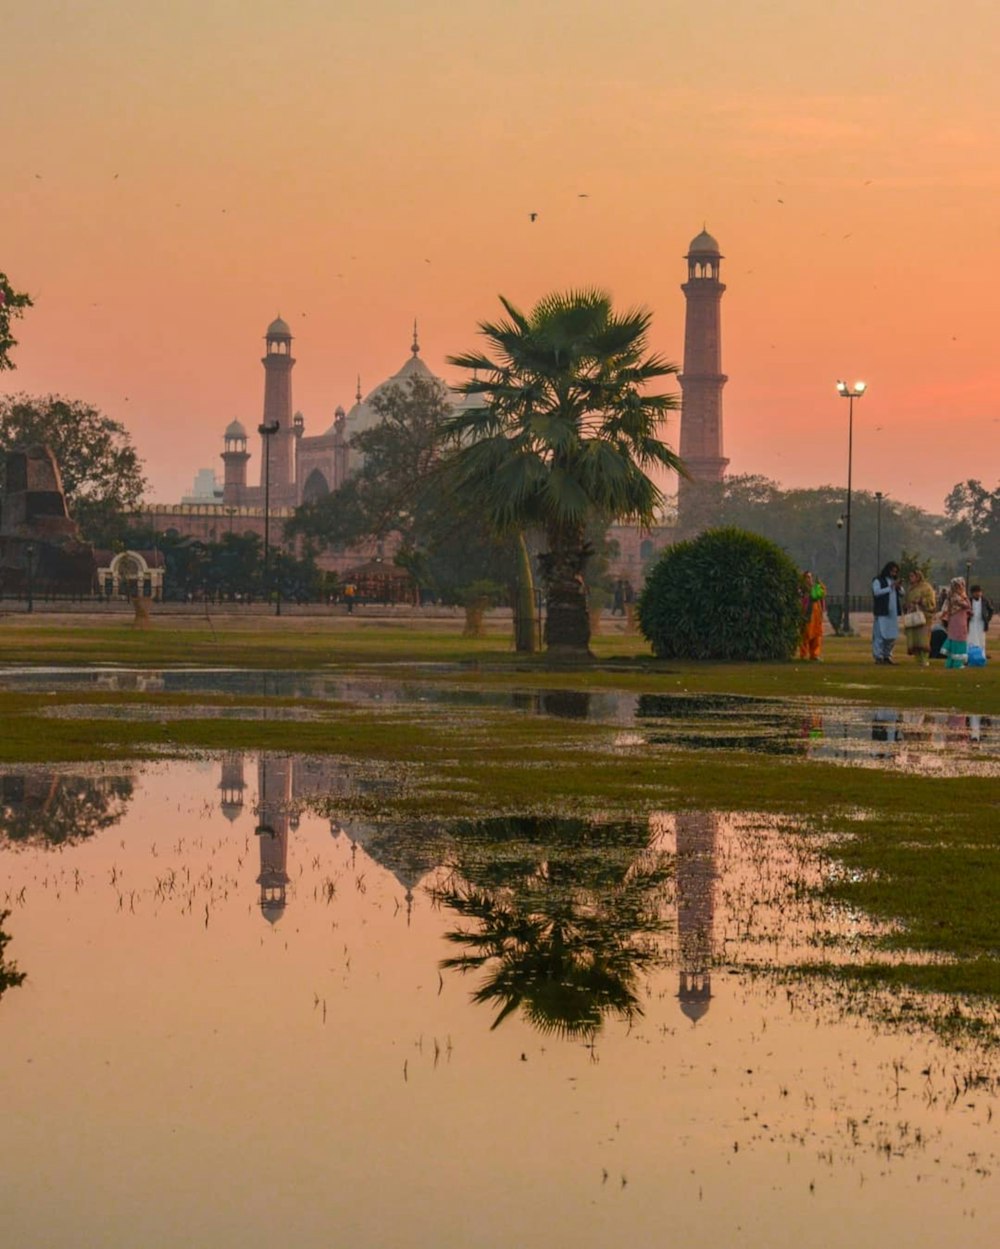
pixel 975 515
pixel 12 306
pixel 101 471
pixel 566 434
pixel 401 488
pixel 726 594
pixel 804 522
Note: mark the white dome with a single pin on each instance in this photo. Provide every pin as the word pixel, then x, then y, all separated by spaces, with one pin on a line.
pixel 364 416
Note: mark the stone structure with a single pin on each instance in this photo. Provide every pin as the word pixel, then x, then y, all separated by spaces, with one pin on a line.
pixel 702 379
pixel 40 546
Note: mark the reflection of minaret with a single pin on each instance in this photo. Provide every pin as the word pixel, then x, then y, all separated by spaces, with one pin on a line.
pixel 702 380
pixel 232 785
pixel 695 909
pixel 274 790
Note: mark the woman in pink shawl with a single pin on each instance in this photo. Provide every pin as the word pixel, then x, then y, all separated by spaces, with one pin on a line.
pixel 955 614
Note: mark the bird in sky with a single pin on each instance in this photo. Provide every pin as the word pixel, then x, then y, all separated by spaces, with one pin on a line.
pixel 533 216
pixel 583 195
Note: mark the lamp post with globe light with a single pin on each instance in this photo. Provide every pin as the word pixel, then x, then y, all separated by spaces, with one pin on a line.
pixel 850 393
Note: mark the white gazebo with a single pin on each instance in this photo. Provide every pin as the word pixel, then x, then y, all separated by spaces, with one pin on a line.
pixel 130 576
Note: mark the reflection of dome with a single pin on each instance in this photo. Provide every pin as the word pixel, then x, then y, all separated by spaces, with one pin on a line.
pixel 231 810
pixel 695 995
pixel 695 1010
pixel 279 329
pixel 273 909
pixel 704 245
pixel 235 429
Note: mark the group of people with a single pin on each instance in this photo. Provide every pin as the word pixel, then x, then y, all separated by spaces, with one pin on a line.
pixel 959 616
pixel 962 615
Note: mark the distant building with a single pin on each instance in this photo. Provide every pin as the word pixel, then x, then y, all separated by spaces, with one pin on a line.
pixel 293 467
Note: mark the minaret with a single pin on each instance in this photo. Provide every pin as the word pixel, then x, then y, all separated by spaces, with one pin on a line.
pixel 235 457
pixel 696 832
pixel 702 380
pixel 278 364
pixel 232 784
pixel 274 791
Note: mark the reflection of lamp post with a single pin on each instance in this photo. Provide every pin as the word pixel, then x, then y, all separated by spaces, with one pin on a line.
pixel 850 393
pixel 879 496
pixel 267 430
pixel 230 512
pixel 29 554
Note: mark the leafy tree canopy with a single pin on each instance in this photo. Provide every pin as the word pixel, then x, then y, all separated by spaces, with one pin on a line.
pixel 726 594
pixel 975 515
pixel 804 522
pixel 566 433
pixel 400 488
pixel 12 306
pixel 101 471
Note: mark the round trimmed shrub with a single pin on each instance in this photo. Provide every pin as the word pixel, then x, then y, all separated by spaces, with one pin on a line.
pixel 726 594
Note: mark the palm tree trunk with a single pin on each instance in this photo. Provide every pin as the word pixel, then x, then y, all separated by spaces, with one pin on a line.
pixel 525 641
pixel 567 621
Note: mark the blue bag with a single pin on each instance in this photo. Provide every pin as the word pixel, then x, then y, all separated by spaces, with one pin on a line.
pixel 977 658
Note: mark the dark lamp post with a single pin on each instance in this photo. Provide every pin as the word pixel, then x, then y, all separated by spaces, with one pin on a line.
pixel 850 393
pixel 267 431
pixel 29 554
pixel 879 496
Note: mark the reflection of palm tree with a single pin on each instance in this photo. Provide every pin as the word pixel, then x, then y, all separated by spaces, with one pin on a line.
pixel 564 916
pixel 54 808
pixel 9 975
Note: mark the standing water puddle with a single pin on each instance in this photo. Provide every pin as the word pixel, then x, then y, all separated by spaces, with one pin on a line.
pixel 248 1019
pixel 914 740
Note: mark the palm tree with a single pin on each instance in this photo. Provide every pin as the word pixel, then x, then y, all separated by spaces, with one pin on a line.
pixel 566 433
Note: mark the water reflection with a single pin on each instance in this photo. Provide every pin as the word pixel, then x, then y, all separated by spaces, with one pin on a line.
pixel 10 977
pixel 54 807
pixel 696 833
pixel 563 916
pixel 918 741
pixel 160 1003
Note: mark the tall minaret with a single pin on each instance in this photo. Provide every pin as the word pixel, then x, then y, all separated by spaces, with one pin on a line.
pixel 278 365
pixel 235 457
pixel 702 380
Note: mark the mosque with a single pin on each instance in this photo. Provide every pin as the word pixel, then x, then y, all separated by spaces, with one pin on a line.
pixel 293 467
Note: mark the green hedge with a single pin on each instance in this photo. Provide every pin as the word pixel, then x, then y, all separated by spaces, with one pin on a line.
pixel 726 594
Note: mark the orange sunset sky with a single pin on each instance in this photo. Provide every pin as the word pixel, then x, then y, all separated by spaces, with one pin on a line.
pixel 178 172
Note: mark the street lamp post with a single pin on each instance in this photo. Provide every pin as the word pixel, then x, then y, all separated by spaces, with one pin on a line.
pixel 879 496
pixel 267 430
pixel 29 554
pixel 850 393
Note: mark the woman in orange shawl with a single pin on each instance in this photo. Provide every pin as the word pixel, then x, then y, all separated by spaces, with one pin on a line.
pixel 813 596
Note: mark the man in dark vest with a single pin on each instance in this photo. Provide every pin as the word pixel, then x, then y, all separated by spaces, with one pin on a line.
pixel 885 613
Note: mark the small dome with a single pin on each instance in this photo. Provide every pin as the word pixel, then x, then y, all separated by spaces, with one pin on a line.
pixel 278 329
pixel 235 429
pixel 704 245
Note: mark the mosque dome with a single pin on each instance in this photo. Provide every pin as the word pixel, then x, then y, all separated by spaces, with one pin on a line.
pixel 235 429
pixel 279 328
pixel 363 415
pixel 704 244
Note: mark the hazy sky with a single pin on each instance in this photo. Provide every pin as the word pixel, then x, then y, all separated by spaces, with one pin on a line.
pixel 176 173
